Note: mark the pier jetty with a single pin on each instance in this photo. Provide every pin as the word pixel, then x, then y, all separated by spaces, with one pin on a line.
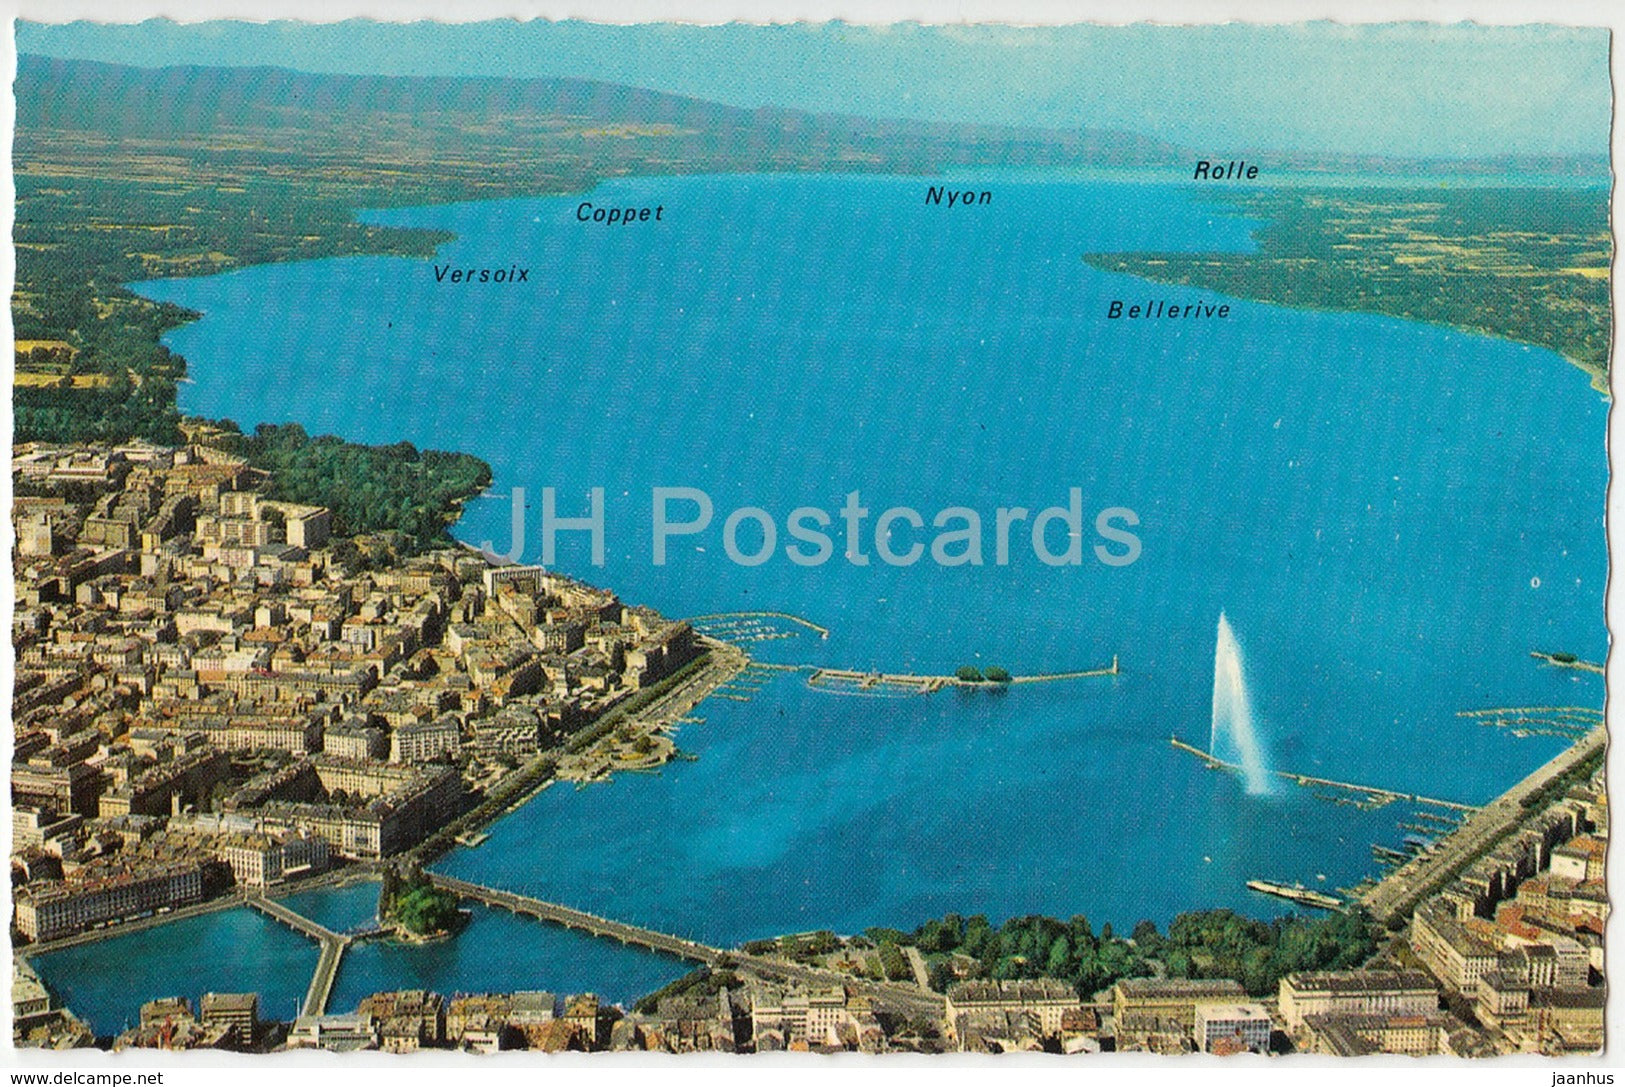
pixel 911 683
pixel 1376 796
pixel 752 626
pixel 1568 660
pixel 1296 893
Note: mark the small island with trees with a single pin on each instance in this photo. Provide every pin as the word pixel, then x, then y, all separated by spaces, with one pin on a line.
pixel 415 909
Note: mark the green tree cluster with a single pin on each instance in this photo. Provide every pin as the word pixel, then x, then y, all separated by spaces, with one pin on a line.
pixel 1203 944
pixel 893 963
pixel 1223 944
pixel 703 981
pixel 1563 782
pixel 370 488
pixel 1029 947
pixel 425 910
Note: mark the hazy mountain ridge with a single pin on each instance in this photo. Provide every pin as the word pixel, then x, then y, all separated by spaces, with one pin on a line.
pixel 422 118
pixel 196 106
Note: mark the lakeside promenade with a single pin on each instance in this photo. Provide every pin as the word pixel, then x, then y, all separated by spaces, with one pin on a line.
pixel 1398 893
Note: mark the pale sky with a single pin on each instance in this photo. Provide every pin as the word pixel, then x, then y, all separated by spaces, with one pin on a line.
pixel 1406 88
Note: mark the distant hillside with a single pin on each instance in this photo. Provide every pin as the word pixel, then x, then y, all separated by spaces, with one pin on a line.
pixel 538 127
pixel 470 136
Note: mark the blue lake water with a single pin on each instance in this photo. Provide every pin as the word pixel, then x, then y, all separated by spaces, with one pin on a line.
pixel 1392 516
pixel 342 909
pixel 496 952
pixel 233 951
pixel 501 953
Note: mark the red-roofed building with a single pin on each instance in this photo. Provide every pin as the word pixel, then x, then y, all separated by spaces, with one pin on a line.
pixel 1509 918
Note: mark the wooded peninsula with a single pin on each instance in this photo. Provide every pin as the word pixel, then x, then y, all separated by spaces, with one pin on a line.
pixel 1526 264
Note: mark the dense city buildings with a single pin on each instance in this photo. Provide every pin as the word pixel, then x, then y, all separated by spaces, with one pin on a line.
pixel 206 697
pixel 1517 938
pixel 1013 1010
pixel 56 908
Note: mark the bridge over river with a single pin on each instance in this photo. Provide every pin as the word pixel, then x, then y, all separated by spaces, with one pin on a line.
pixel 635 935
pixel 333 946
pixel 909 999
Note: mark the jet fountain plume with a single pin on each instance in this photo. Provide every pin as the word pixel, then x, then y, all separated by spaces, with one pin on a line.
pixel 1233 714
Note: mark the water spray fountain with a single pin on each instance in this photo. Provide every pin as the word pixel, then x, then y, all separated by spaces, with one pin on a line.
pixel 1233 738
